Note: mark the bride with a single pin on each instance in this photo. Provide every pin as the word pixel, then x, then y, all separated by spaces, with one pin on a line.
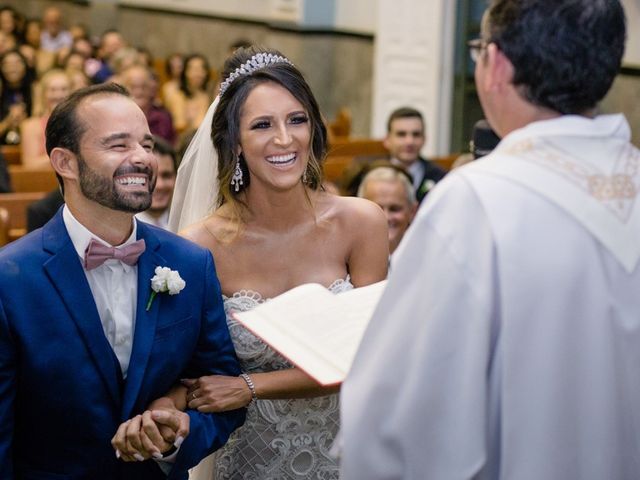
pixel 275 228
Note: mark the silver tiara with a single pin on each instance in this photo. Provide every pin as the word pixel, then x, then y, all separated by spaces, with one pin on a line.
pixel 258 61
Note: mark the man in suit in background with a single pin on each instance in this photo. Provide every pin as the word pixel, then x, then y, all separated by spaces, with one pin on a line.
pixel 85 344
pixel 405 138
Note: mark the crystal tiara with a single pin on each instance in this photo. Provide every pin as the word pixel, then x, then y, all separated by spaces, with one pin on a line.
pixel 258 61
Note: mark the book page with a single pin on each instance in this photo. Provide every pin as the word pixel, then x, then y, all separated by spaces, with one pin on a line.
pixel 315 329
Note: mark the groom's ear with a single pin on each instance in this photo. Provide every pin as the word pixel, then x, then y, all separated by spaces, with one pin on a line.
pixel 64 162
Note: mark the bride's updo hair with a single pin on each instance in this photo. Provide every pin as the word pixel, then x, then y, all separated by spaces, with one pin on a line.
pixel 225 127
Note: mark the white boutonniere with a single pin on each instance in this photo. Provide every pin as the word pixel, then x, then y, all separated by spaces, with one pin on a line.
pixel 165 280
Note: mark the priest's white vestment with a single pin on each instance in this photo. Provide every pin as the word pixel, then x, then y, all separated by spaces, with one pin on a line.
pixel 507 343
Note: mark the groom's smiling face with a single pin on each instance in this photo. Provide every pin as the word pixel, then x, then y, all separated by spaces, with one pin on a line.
pixel 116 165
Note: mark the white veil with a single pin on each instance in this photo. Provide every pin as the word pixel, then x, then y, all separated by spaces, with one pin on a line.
pixel 196 192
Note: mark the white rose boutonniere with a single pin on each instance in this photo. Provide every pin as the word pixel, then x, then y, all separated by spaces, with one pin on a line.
pixel 165 280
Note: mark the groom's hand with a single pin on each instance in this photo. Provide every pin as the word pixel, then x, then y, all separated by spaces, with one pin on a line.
pixel 132 443
pixel 172 424
pixel 143 436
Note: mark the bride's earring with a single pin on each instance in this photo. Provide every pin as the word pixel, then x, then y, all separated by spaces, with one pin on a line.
pixel 304 177
pixel 236 179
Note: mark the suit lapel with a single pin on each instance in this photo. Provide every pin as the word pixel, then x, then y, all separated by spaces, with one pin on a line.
pixel 145 326
pixel 67 276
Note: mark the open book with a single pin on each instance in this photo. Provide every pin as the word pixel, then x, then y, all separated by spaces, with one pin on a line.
pixel 318 331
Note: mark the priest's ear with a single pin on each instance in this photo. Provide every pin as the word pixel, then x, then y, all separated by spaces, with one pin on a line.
pixel 65 163
pixel 496 72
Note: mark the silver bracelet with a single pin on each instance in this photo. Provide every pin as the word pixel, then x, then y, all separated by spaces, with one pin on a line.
pixel 252 387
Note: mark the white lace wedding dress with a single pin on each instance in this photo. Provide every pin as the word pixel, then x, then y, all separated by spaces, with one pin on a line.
pixel 281 439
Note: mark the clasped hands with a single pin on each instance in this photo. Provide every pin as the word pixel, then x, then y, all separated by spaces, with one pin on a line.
pixel 151 434
pixel 163 427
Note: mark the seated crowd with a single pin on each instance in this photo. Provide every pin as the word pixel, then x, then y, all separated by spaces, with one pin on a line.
pixel 41 62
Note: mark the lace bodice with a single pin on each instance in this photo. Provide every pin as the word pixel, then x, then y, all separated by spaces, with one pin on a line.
pixel 281 439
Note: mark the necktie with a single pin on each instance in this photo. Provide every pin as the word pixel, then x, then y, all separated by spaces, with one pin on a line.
pixel 97 253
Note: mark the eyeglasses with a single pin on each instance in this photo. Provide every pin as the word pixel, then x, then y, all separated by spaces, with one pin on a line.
pixel 476 46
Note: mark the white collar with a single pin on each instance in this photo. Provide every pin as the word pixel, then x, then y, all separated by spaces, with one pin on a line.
pixel 81 236
pixel 586 166
pixel 161 221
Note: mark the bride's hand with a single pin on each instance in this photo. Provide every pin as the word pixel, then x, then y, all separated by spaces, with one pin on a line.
pixel 217 393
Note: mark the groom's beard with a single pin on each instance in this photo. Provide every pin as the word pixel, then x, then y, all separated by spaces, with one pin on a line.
pixel 108 193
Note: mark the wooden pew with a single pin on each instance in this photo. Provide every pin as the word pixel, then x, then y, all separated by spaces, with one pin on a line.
pixel 11 154
pixel 343 151
pixel 16 204
pixel 32 180
pixel 341 126
pixel 4 226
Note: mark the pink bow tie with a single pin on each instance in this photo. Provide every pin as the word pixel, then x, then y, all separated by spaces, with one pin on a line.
pixel 97 253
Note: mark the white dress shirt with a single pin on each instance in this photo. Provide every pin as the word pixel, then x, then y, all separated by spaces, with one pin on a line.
pixel 114 286
pixel 416 170
pixel 162 221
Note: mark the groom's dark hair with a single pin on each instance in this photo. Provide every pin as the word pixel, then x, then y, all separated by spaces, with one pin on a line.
pixel 64 129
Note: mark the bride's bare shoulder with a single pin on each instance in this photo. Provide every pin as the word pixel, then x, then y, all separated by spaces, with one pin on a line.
pixel 211 232
pixel 353 209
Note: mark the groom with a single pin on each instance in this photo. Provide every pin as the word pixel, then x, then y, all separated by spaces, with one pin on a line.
pixel 82 348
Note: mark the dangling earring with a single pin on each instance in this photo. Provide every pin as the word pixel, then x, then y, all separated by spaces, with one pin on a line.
pixel 304 177
pixel 236 179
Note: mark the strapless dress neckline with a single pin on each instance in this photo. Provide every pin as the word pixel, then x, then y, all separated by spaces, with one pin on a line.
pixel 337 286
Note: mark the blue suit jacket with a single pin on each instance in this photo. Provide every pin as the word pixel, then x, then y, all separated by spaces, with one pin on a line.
pixel 61 394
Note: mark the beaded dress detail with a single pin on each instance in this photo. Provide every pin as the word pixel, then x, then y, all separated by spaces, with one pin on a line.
pixel 281 439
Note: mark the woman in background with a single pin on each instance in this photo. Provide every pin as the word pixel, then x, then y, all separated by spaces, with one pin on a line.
pixel 15 95
pixel 190 103
pixel 55 86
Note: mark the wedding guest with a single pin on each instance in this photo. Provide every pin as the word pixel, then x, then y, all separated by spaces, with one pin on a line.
pixel 111 42
pixel 406 135
pixel 174 65
pixel 32 33
pixel 55 86
pixel 77 295
pixel 500 349
pixel 391 190
pixel 53 36
pixel 274 229
pixel 158 213
pixel 16 81
pixel 139 81
pixel 189 105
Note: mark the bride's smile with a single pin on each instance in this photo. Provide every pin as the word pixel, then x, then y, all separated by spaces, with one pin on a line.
pixel 274 136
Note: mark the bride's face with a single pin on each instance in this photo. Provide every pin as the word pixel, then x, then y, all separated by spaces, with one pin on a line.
pixel 275 136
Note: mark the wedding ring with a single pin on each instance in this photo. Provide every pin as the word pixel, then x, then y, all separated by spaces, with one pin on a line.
pixel 194 396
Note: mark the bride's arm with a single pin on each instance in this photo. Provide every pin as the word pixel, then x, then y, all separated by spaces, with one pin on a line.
pixel 369 257
pixel 218 393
